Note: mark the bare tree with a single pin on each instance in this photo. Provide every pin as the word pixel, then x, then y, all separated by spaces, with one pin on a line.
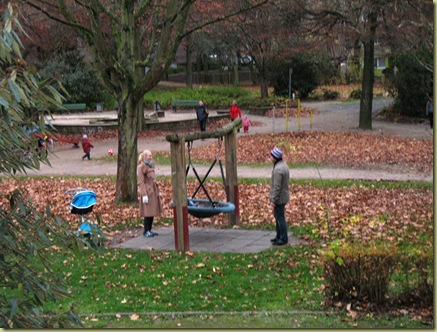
pixel 366 20
pixel 132 43
pixel 268 35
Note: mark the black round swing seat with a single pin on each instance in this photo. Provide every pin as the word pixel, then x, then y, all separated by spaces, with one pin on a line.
pixel 203 208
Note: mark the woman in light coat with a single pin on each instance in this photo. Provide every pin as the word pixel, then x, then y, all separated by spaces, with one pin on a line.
pixel 150 200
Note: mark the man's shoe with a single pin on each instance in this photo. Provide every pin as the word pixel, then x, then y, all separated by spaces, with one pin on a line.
pixel 148 234
pixel 274 240
pixel 279 243
pixel 154 234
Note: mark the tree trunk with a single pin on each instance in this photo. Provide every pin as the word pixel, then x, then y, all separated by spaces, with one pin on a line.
pixel 235 78
pixel 126 189
pixel 368 75
pixel 189 68
pixel 264 87
pixel 205 67
pixel 199 69
pixel 221 72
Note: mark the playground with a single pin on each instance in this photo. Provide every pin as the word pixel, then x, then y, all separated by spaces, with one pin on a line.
pixel 390 152
pixel 376 184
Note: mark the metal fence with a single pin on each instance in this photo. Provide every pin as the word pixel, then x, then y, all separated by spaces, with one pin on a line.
pixel 214 77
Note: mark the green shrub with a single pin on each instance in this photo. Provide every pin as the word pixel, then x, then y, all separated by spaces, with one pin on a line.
pixel 416 267
pixel 304 78
pixel 215 97
pixel 358 271
pixel 76 76
pixel 411 83
pixel 330 94
pixel 355 73
pixel 356 94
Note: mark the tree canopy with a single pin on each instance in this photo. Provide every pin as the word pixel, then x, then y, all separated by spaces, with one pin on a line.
pixel 25 233
pixel 131 44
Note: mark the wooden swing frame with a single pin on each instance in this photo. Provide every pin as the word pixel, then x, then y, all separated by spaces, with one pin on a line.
pixel 178 177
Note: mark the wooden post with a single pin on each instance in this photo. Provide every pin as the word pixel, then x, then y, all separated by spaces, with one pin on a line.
pixel 179 186
pixel 178 177
pixel 231 176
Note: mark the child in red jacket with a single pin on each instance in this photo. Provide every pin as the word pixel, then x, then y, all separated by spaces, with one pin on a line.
pixel 86 146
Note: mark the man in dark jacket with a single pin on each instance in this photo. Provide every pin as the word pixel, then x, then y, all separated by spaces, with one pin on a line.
pixel 202 115
pixel 279 196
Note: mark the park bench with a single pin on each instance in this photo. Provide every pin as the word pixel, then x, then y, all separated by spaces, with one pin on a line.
pixel 72 107
pixel 183 103
pixel 75 107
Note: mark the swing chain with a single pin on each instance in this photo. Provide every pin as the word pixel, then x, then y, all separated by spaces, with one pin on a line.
pixel 220 141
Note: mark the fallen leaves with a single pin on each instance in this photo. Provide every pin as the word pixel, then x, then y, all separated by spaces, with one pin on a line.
pixel 366 211
pixel 336 149
pixel 134 317
pixel 324 211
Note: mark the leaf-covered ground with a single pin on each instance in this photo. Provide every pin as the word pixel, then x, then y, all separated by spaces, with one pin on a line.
pixel 356 150
pixel 397 208
pixel 317 212
pixel 326 212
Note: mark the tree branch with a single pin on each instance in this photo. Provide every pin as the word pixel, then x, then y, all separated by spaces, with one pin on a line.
pixel 57 18
pixel 222 18
pixel 227 129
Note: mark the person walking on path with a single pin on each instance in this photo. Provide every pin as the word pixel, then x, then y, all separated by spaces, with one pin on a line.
pixel 150 200
pixel 202 115
pixel 279 196
pixel 235 112
pixel 246 124
pixel 86 146
pixel 430 109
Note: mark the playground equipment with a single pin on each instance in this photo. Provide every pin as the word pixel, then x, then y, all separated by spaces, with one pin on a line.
pixel 179 185
pixel 204 208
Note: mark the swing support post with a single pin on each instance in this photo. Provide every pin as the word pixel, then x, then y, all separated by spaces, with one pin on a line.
pixel 231 177
pixel 180 212
pixel 178 178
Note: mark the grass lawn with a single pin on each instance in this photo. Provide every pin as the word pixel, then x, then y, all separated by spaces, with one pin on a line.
pixel 159 289
pixel 277 288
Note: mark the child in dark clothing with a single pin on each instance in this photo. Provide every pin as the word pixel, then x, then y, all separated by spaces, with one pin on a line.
pixel 86 146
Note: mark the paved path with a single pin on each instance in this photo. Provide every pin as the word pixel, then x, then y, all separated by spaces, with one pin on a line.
pixel 332 116
pixel 208 239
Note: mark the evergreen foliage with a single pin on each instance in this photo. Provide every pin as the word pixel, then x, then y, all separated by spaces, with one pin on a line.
pixel 76 76
pixel 410 83
pixel 25 234
pixel 308 72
